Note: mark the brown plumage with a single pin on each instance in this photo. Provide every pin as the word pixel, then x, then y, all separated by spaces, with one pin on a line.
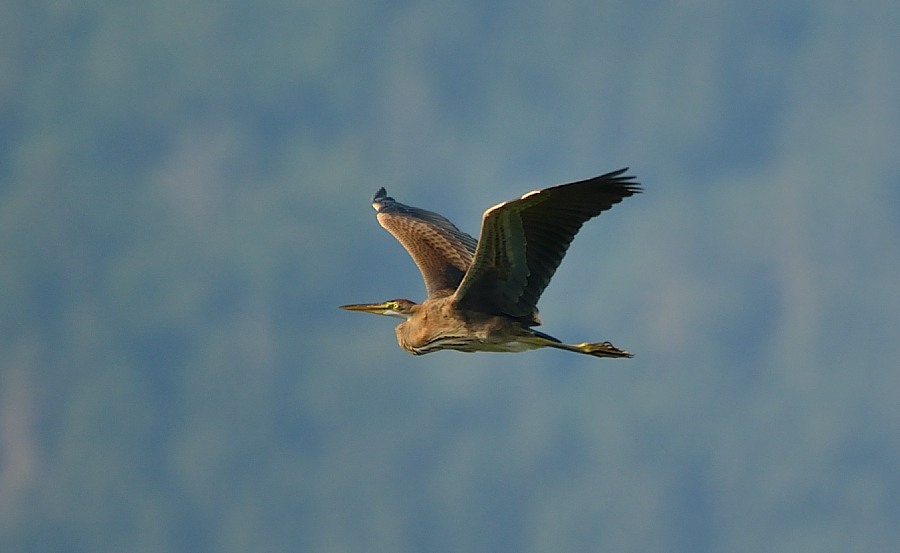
pixel 483 294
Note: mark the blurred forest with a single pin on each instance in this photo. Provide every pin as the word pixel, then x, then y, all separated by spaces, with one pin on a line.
pixel 184 201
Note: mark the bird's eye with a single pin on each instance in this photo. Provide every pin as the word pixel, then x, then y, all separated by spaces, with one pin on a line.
pixel 393 305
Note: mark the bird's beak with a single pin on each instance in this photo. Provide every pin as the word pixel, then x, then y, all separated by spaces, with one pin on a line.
pixel 384 308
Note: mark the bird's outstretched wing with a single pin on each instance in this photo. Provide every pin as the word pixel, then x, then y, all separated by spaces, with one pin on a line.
pixel 523 241
pixel 442 252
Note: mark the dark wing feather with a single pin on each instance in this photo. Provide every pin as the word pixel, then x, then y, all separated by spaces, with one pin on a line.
pixel 442 252
pixel 523 241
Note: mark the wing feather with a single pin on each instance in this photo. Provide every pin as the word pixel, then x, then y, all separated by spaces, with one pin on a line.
pixel 442 252
pixel 523 242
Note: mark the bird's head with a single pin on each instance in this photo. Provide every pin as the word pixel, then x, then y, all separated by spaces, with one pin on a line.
pixel 400 308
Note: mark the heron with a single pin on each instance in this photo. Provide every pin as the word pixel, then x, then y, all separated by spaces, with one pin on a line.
pixel 482 294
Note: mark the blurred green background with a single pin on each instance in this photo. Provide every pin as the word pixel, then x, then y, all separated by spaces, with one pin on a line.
pixel 185 199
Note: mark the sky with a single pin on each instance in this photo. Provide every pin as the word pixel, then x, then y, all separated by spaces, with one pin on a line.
pixel 238 148
pixel 756 276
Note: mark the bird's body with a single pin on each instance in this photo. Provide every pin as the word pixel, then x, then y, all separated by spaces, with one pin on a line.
pixel 482 295
pixel 438 324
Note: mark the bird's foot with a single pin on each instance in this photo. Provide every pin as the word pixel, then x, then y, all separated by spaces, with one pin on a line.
pixel 602 349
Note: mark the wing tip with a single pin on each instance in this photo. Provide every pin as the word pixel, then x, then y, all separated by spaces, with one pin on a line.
pixel 626 181
pixel 379 198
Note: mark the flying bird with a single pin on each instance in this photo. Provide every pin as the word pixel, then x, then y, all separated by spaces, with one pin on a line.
pixel 483 294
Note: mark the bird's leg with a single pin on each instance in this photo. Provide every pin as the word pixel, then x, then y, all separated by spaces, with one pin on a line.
pixel 596 349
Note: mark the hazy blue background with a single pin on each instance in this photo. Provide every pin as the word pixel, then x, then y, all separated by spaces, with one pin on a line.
pixel 184 201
